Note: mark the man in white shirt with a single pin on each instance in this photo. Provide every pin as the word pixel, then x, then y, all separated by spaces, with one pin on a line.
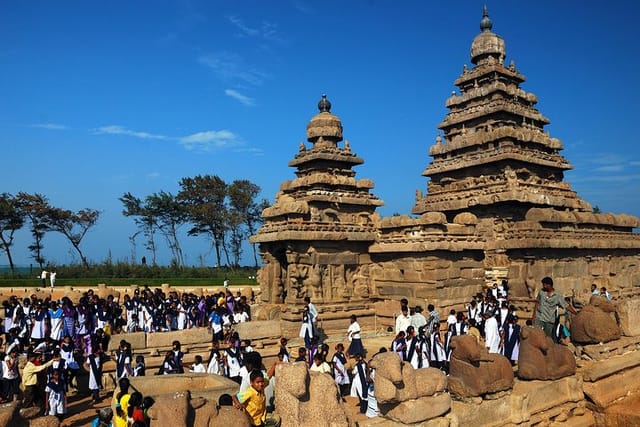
pixel 491 333
pixel 417 318
pixel 403 321
pixel 52 277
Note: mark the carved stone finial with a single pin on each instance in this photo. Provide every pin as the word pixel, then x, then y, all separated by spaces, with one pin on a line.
pixel 347 146
pixel 438 139
pixel 485 22
pixel 324 105
pixel 302 147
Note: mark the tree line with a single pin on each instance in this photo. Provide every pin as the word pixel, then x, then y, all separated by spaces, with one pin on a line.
pixel 42 217
pixel 225 213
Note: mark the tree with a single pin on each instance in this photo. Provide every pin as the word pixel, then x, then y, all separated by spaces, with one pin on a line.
pixel 145 221
pixel 204 198
pixel 36 209
pixel 73 225
pixel 242 200
pixel 11 220
pixel 169 213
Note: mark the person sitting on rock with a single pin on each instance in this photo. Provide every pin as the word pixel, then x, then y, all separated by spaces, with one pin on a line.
pixel 168 364
pixel 198 367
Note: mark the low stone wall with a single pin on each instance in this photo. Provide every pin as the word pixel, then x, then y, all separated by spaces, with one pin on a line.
pixel 208 386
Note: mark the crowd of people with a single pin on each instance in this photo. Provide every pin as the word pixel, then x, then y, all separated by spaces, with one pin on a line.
pixel 60 337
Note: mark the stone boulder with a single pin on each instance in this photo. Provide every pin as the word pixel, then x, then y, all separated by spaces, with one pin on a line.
pixel 170 410
pixel 417 410
pixel 48 421
pixel 408 395
pixel 475 372
pixel 304 398
pixel 595 323
pixel 7 413
pixel 629 314
pixel 542 359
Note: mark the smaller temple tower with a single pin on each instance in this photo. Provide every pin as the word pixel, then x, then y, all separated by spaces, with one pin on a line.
pixel 315 238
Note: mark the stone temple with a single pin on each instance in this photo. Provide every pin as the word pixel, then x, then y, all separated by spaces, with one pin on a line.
pixel 496 206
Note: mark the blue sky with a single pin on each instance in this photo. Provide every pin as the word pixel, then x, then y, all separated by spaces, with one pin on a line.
pixel 101 98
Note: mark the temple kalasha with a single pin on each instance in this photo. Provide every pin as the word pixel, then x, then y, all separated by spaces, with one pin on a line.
pixel 496 207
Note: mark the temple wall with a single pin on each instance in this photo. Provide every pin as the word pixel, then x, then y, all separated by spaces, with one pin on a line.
pixel 446 279
pixel 574 271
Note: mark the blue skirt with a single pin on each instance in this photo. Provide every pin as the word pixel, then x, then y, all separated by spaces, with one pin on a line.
pixel 356 347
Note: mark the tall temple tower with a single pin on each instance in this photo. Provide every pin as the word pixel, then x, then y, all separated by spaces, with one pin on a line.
pixel 497 207
pixel 315 237
pixel 494 151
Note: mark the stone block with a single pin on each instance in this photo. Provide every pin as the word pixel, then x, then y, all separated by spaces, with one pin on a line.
pixel 138 341
pixel 207 386
pixel 606 390
pixel 258 329
pixel 613 365
pixel 489 413
pixel 186 337
pixel 543 395
pixel 417 410
pixel 629 315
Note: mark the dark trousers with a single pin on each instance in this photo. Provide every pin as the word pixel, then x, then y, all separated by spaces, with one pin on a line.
pixel 95 394
pixel 32 395
pixel 10 388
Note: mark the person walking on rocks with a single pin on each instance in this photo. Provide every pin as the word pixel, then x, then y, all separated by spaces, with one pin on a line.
pixel 547 302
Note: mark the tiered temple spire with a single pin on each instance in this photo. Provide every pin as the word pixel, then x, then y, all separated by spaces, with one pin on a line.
pixel 494 148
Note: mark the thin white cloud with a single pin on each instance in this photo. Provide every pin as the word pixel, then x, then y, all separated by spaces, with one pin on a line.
pixel 199 142
pixel 303 7
pixel 251 150
pixel 243 99
pixel 267 30
pixel 210 140
pixel 50 126
pixel 245 30
pixel 230 66
pixel 609 168
pixel 121 130
pixel 153 175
